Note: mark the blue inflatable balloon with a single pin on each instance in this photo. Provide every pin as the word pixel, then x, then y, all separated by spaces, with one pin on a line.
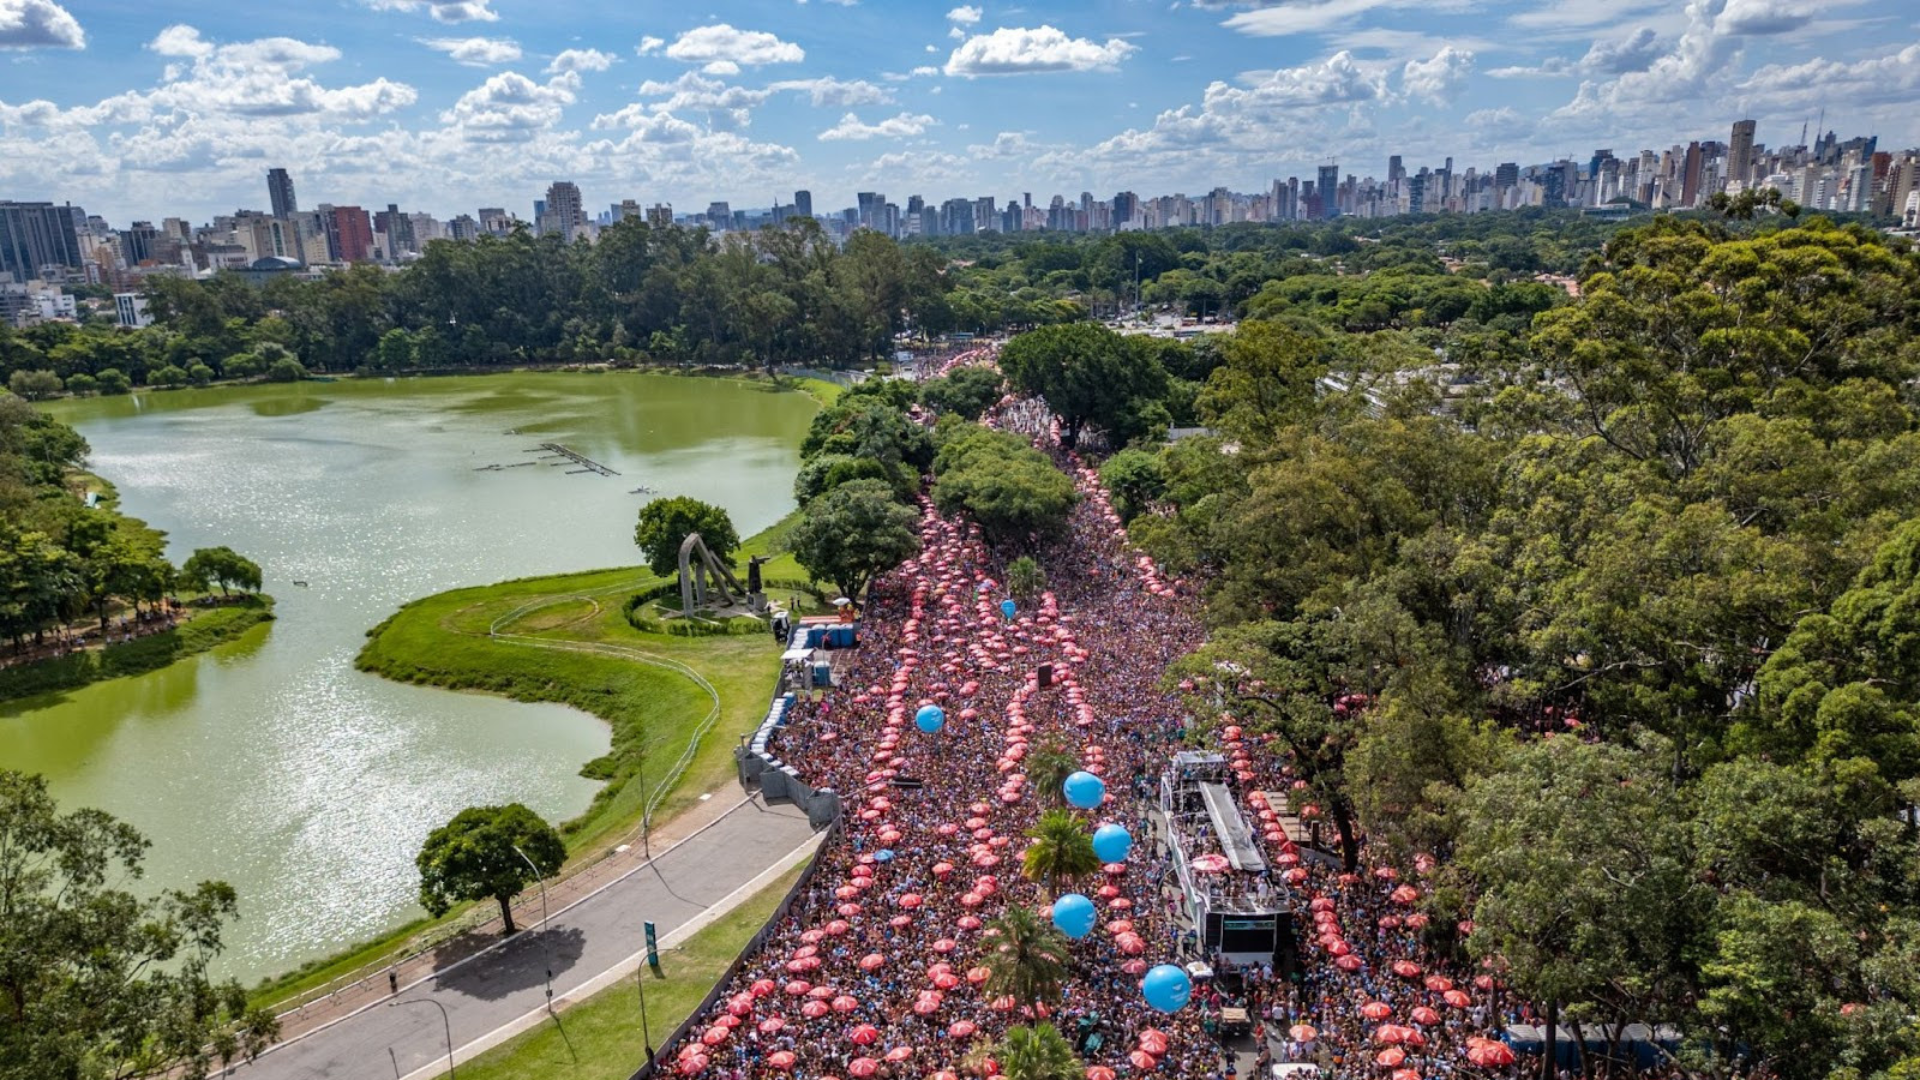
pixel 930 719
pixel 1166 988
pixel 1111 843
pixel 1073 915
pixel 1084 790
pixel 1008 607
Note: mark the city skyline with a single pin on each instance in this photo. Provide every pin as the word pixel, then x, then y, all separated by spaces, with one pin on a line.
pixel 444 107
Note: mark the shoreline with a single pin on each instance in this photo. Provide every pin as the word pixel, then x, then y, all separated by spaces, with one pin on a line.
pixel 206 630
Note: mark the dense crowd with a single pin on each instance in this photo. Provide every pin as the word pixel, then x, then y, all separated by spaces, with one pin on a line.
pixel 876 970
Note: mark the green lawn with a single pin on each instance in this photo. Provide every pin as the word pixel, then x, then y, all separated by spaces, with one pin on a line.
pixel 596 662
pixel 600 1038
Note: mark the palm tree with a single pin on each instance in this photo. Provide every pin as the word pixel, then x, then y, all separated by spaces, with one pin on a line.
pixel 1062 850
pixel 1048 767
pixel 1029 958
pixel 1039 1052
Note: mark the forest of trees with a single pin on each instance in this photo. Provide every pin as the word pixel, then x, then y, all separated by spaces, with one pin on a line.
pixel 1627 596
pixel 62 562
pixel 790 296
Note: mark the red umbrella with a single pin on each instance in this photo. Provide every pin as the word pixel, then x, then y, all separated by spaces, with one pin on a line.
pixel 781 1059
pixel 715 1035
pixel 864 1035
pixel 690 1066
pixel 910 900
pixel 814 1010
pixel 1424 1016
pixel 1376 1010
pixel 1142 1060
pixel 772 1025
pixel 798 987
pixel 978 975
pixel 872 962
pixel 899 1053
pixel 1405 894
pixel 1210 864
pixel 1100 1072
pixel 1406 969
pixel 1303 1033
pixel 1153 1041
pixel 960 1029
pixel 863 1067
pixel 1489 1054
pixel 1405 1074
pixel 1483 982
pixel 1389 1034
pixel 845 1003
pixel 762 987
pixel 1439 983
pixel 1390 1058
pixel 1347 963
pixel 1457 998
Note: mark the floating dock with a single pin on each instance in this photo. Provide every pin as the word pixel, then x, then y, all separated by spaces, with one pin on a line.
pixel 587 465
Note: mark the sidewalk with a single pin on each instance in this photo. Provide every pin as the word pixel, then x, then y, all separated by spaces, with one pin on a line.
pixel 576 884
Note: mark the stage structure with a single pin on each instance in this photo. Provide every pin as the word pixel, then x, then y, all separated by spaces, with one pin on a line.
pixel 1243 913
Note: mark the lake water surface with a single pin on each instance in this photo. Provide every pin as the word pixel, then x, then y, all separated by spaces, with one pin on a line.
pixel 271 763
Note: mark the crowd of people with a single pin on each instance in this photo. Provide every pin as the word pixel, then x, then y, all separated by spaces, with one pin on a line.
pixel 877 968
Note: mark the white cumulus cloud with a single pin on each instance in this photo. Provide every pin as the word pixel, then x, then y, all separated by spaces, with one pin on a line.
pixel 476 51
pixel 510 107
pixel 721 44
pixel 581 60
pixel 852 129
pixel 39 24
pixel 1436 79
pixel 1020 51
pixel 966 14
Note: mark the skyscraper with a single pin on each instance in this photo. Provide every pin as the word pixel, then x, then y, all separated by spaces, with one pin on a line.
pixel 350 234
pixel 1740 154
pixel 35 236
pixel 564 212
pixel 1328 189
pixel 803 204
pixel 1690 176
pixel 280 192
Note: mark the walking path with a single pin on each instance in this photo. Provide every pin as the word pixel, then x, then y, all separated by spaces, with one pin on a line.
pixel 591 941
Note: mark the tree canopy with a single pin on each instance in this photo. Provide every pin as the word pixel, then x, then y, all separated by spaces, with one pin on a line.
pixel 665 524
pixel 478 856
pixel 854 533
pixel 101 981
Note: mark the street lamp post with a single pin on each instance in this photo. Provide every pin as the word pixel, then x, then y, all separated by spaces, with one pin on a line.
pixel 543 921
pixel 445 1021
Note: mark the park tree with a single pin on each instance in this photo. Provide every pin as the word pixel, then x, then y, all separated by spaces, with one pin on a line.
pixel 286 369
pixel 966 392
pixel 853 534
pixel 1027 958
pixel 1267 383
pixel 113 381
pixel 665 524
pixel 478 856
pixel 1136 478
pixel 1038 1052
pixel 1025 578
pixel 1008 488
pixel 220 566
pixel 34 385
pixel 1091 376
pixel 1062 850
pixel 101 981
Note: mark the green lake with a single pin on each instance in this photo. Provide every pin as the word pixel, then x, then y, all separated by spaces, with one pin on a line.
pixel 271 763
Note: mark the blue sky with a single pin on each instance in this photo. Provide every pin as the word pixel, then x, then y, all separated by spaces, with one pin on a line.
pixel 153 108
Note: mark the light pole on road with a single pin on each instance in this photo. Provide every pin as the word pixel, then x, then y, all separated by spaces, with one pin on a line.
pixel 445 1020
pixel 543 921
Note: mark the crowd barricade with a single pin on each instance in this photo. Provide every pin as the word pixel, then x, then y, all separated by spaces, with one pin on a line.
pixel 663 1056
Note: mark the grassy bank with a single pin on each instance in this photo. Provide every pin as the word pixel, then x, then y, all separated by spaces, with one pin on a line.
pixel 602 1039
pixel 207 628
pixel 572 644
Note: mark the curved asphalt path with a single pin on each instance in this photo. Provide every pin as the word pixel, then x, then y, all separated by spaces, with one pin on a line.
pixel 506 987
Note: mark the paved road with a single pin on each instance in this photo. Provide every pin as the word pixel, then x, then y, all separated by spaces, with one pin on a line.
pixel 499 987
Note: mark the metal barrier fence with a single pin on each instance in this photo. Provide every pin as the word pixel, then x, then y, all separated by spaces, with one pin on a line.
pixel 663 1059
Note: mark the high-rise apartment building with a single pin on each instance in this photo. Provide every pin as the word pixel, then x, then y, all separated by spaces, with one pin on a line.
pixel 36 237
pixel 803 204
pixel 1690 175
pixel 280 193
pixel 1740 154
pixel 349 234
pixel 1328 188
pixel 660 215
pixel 562 211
